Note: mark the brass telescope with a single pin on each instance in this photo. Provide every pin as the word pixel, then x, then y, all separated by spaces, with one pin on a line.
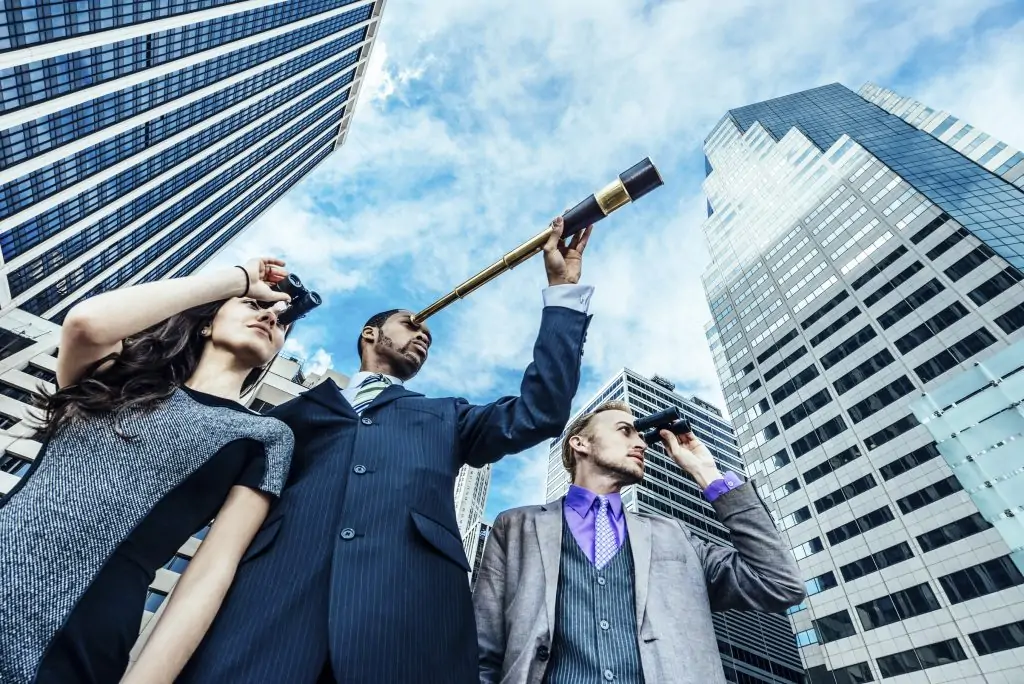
pixel 631 185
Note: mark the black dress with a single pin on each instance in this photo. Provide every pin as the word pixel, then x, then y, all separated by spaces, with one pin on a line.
pixel 84 532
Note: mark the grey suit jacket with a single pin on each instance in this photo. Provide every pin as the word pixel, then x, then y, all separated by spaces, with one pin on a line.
pixel 679 580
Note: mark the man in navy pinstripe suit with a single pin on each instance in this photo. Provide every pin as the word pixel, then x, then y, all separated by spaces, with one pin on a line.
pixel 358 575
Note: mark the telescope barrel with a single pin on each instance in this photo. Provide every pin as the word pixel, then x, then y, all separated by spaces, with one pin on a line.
pixel 631 185
pixel 669 415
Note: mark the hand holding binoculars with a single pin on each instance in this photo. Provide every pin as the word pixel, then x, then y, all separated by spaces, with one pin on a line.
pixel 670 419
pixel 303 300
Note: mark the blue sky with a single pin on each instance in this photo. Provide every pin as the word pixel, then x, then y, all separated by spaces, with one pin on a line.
pixel 480 121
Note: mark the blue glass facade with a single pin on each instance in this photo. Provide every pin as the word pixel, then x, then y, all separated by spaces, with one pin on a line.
pixel 46 79
pixel 198 173
pixel 988 206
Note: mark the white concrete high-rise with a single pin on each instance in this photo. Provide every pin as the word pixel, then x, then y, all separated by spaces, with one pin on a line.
pixel 866 279
pixel 137 139
pixel 471 486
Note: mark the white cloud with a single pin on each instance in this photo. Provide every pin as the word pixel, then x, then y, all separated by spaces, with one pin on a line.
pixel 481 120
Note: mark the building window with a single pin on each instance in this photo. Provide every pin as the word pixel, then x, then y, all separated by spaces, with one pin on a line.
pixel 981 580
pixel 782 365
pixel 858 486
pixel 953 532
pixel 876 561
pixel 795 518
pixel 891 432
pixel 909 462
pixel 955 354
pixel 835 463
pixel 894 282
pixel 201 534
pixel 41 373
pixel 12 343
pixel 818 436
pixel 806 638
pixel 864 371
pixel 16 393
pixel 851 674
pixel 817 401
pixel 808 548
pixel 260 406
pixel 930 494
pixel 835 326
pixel 1012 320
pixel 818 584
pixel 899 605
pixel 14 465
pixel 874 403
pixel 999 638
pixel 932 226
pixel 931 327
pixel 912 301
pixel 995 286
pixel 178 563
pixel 153 600
pixel 848 346
pixel 777 347
pixel 922 658
pixel 823 311
pixel 880 267
pixel 970 261
pixel 859 526
pixel 947 244
pixel 834 627
pixel 793 384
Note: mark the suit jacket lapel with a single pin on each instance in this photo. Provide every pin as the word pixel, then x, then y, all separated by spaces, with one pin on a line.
pixel 328 395
pixel 389 394
pixel 639 532
pixel 549 537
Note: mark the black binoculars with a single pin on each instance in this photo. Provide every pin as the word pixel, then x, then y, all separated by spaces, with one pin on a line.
pixel 670 419
pixel 303 300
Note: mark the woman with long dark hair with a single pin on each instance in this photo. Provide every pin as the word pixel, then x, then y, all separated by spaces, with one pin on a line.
pixel 145 442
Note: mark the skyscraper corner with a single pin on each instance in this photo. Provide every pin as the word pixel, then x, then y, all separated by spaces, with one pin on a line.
pixel 866 267
pixel 138 139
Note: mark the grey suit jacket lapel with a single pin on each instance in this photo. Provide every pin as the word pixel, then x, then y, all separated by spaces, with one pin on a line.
pixel 549 538
pixel 639 532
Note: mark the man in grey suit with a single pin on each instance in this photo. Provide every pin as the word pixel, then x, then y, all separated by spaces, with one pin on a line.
pixel 579 590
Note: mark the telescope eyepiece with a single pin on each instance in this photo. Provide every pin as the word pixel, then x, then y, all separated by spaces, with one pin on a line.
pixel 671 419
pixel 303 300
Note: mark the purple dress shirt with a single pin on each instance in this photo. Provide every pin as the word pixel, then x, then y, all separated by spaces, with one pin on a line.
pixel 581 505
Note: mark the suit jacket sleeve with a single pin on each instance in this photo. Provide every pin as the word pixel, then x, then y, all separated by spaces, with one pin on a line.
pixel 489 605
pixel 760 573
pixel 512 424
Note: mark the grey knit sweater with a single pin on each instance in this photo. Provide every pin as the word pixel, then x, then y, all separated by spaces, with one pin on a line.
pixel 89 489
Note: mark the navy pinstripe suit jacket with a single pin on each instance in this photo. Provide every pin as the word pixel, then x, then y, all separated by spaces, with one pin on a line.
pixel 360 562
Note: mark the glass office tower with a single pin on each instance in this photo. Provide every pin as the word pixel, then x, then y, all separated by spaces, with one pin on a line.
pixel 865 250
pixel 138 138
pixel 756 648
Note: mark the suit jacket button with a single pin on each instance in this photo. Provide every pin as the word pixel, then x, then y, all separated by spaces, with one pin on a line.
pixel 543 653
pixel 366 421
pixel 359 469
pixel 348 533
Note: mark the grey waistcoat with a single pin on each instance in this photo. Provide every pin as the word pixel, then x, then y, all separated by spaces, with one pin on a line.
pixel 595 637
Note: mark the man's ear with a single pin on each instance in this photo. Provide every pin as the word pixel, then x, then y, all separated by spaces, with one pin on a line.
pixel 579 443
pixel 369 335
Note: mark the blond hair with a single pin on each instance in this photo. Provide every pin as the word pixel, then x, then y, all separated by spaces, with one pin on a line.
pixel 580 426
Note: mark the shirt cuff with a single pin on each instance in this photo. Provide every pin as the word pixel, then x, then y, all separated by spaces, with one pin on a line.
pixel 575 297
pixel 726 483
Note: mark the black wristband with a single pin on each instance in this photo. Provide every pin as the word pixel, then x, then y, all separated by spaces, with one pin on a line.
pixel 246 280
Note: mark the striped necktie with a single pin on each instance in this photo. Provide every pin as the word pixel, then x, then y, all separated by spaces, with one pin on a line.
pixel 368 391
pixel 604 537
